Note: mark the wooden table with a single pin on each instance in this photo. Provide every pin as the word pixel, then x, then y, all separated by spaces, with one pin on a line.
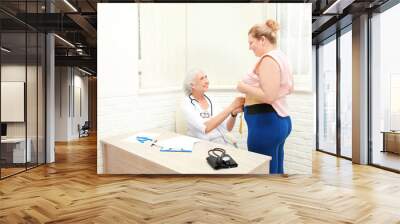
pixel 391 141
pixel 128 157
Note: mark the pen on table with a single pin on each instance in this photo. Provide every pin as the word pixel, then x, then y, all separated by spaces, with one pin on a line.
pixel 154 142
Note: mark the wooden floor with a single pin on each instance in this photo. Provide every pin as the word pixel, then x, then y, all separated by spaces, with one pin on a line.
pixel 10 171
pixel 70 191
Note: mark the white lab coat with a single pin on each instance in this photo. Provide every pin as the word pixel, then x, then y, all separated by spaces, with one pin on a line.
pixel 195 122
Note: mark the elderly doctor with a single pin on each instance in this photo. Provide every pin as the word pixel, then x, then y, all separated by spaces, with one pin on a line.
pixel 204 119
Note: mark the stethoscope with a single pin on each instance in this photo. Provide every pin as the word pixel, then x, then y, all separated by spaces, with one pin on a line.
pixel 203 114
pixel 206 114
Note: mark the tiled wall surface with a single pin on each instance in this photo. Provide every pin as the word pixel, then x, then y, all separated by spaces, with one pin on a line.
pixel 117 115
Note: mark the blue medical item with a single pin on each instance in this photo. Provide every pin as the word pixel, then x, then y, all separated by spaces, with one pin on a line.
pixel 143 139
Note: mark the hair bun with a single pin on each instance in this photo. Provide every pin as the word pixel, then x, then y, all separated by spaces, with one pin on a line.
pixel 273 25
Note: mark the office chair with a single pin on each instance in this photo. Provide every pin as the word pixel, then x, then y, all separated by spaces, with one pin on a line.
pixel 84 130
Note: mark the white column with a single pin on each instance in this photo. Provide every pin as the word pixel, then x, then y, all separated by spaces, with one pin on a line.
pixel 50 99
pixel 360 90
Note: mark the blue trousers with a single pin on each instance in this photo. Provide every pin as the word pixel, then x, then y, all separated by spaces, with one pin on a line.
pixel 267 133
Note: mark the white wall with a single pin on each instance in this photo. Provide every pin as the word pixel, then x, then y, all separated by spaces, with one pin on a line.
pixel 163 38
pixel 61 103
pixel 12 100
pixel 178 37
pixel 14 72
pixel 218 42
pixel 70 83
pixel 80 105
pixel 123 107
pixel 117 66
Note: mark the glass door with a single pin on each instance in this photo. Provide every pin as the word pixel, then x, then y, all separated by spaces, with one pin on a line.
pixel 327 96
pixel 385 89
pixel 13 105
pixel 22 77
pixel 346 93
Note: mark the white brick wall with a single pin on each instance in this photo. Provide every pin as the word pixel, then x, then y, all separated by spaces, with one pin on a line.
pixel 301 142
pixel 118 115
pixel 117 71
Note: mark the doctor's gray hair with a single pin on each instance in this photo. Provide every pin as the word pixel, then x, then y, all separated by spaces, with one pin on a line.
pixel 190 75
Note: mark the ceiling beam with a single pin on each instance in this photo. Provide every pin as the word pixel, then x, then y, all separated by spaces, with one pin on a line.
pixel 337 7
pixel 83 61
pixel 84 24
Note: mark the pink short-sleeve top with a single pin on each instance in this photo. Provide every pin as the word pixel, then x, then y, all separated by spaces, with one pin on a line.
pixel 286 84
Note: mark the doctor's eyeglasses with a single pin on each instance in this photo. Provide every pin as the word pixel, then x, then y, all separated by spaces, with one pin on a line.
pixel 204 114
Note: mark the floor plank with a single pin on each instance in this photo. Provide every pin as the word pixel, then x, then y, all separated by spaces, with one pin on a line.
pixel 70 191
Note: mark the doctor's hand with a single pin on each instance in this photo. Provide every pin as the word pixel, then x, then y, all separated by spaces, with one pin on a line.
pixel 237 102
pixel 237 111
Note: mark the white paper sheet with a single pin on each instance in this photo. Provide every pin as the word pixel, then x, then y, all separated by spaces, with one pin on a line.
pixel 179 142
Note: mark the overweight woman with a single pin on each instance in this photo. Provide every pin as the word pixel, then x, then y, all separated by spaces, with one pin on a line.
pixel 266 88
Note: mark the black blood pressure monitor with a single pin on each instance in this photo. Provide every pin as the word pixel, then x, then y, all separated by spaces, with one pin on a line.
pixel 218 159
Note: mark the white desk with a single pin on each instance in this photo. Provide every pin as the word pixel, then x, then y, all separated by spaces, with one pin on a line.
pixel 18 149
pixel 128 157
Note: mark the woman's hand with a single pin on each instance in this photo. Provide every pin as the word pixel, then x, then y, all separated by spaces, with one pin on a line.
pixel 241 87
